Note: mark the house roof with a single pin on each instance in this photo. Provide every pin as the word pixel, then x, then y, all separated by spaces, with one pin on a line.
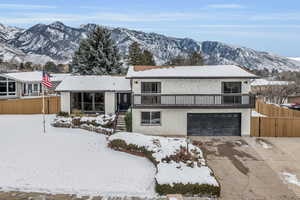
pixel 264 82
pixel 207 71
pixel 94 83
pixel 35 76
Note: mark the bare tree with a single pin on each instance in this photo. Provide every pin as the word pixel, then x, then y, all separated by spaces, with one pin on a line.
pixel 279 93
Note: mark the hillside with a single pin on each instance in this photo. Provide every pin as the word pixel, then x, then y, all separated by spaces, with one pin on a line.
pixel 57 42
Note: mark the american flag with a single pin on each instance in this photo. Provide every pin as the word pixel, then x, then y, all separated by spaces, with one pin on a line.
pixel 46 80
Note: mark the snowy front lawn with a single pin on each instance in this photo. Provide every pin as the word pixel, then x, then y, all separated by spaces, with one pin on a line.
pixel 69 161
pixel 178 170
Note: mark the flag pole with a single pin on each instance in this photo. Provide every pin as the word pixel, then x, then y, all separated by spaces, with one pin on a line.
pixel 44 121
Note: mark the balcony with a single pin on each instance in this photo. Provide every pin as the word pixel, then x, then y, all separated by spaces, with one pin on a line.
pixel 193 101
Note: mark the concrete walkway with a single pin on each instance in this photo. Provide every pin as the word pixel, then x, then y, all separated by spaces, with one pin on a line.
pixel 245 169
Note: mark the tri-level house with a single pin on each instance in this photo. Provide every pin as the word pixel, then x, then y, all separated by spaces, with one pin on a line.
pixel 191 100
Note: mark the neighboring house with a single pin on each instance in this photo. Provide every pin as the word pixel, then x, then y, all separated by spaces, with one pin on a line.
pixel 258 86
pixel 191 100
pixel 95 94
pixel 294 99
pixel 21 84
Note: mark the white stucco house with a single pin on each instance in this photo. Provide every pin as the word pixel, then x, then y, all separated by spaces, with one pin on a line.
pixel 171 101
pixel 22 84
pixel 191 100
pixel 95 94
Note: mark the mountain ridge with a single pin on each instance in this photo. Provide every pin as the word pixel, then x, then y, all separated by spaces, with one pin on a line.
pixel 57 42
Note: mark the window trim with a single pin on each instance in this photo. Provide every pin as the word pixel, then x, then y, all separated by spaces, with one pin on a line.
pixel 142 124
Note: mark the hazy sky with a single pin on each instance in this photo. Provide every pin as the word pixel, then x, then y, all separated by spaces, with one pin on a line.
pixel 267 25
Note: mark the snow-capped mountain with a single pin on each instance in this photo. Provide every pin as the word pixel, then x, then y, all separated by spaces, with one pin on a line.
pixel 295 58
pixel 57 42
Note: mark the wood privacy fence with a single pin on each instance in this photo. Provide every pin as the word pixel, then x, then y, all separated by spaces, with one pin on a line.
pixel 275 111
pixel 30 105
pixel 275 127
pixel 280 122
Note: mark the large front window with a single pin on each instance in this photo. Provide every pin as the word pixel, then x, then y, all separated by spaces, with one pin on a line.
pixel 87 102
pixel 150 118
pixel 7 87
pixel 151 88
pixel 232 88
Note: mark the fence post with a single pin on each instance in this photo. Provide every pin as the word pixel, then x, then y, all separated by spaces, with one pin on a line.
pixel 259 127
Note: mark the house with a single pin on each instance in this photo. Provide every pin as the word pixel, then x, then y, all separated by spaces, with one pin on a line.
pixel 259 86
pixel 191 100
pixel 95 94
pixel 21 84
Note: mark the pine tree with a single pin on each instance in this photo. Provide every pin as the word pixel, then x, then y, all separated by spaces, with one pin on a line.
pixel 148 58
pixel 97 55
pixel 1 58
pixel 51 67
pixel 192 59
pixel 135 56
pixel 195 59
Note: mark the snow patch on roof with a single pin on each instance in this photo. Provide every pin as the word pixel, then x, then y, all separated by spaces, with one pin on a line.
pixel 207 71
pixel 35 76
pixel 94 83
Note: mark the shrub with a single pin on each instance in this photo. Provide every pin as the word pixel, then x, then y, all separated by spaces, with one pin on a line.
pixel 183 156
pixel 63 114
pixel 188 189
pixel 128 121
pixel 121 145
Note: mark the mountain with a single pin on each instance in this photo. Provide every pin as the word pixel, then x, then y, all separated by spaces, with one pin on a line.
pixel 57 42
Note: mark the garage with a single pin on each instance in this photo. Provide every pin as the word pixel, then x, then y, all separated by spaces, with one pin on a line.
pixel 214 124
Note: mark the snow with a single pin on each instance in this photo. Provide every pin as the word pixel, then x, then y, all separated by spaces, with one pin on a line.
pixel 295 58
pixel 69 161
pixel 256 114
pixel 35 76
pixel 94 83
pixel 291 178
pixel 208 71
pixel 264 82
pixel 172 172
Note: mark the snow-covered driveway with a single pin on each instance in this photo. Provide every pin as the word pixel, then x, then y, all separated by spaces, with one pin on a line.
pixel 67 161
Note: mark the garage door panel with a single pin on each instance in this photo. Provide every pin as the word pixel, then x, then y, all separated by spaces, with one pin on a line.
pixel 214 124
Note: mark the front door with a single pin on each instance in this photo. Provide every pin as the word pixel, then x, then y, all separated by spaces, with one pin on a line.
pixel 124 101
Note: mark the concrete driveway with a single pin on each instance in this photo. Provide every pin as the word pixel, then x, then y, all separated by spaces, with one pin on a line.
pixel 254 168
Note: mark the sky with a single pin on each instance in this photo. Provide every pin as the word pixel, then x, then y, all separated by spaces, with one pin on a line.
pixel 265 25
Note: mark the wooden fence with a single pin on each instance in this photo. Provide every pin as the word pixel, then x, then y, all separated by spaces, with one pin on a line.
pixel 280 121
pixel 275 127
pixel 30 105
pixel 275 111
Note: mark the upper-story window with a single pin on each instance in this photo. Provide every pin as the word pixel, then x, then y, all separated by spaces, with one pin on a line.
pixel 151 87
pixel 148 88
pixel 232 88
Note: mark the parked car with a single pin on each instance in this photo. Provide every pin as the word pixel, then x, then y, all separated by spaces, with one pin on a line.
pixel 293 106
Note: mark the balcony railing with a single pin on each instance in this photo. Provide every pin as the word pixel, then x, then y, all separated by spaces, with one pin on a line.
pixel 193 100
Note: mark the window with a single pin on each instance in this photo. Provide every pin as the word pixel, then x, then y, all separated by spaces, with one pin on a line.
pixel 151 87
pixel 36 87
pixel 232 88
pixel 7 87
pixel 150 118
pixel 148 88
